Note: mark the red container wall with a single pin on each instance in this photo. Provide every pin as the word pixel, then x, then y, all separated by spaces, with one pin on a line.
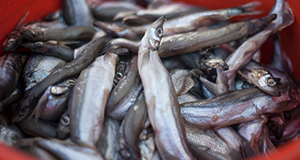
pixel 11 11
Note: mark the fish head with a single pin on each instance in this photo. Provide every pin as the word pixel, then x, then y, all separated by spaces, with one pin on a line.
pixel 154 34
pixel 61 90
pixel 30 33
pixel 266 81
pixel 120 70
pixel 11 43
pixel 209 65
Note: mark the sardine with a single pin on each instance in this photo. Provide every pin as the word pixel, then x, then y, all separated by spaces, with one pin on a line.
pixel 194 41
pixel 241 56
pixel 193 21
pixel 65 34
pixel 125 93
pixel 86 56
pixel 88 100
pixel 182 24
pixel 37 68
pixel 255 73
pixel 237 106
pixel 160 96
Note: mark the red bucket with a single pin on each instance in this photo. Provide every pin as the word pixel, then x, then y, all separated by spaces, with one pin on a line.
pixel 12 11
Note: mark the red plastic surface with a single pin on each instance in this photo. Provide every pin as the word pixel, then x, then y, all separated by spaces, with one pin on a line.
pixel 11 11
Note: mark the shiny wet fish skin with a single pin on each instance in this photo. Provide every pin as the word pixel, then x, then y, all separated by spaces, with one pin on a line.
pixel 161 98
pixel 87 105
pixel 179 116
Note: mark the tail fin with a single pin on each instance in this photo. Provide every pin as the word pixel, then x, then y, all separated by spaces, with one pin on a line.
pixel 22 19
pixel 248 9
pixel 288 16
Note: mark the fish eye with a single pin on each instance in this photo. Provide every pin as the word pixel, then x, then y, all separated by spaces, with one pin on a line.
pixel 159 31
pixel 65 120
pixel 119 75
pixel 71 82
pixel 271 82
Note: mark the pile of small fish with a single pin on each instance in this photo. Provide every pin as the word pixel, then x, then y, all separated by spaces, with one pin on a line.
pixel 114 80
